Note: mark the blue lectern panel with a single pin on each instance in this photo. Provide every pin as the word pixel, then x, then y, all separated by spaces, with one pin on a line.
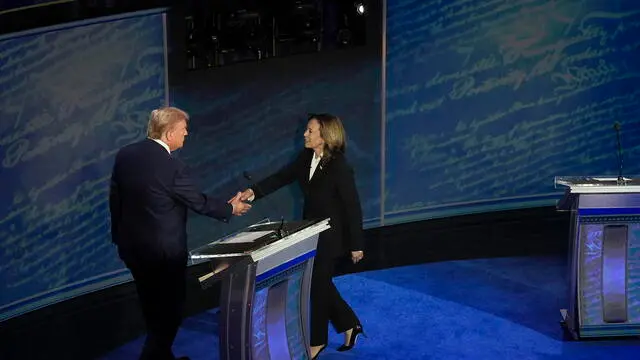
pixel 259 318
pixel 297 349
pixel 633 269
pixel 610 275
pixel 591 274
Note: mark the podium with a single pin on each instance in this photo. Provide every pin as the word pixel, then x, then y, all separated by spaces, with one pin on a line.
pixel 604 256
pixel 265 272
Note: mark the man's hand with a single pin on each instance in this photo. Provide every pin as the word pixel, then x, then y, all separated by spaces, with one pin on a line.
pixel 246 195
pixel 357 256
pixel 239 207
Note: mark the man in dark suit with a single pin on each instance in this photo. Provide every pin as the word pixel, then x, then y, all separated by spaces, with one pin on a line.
pixel 149 197
pixel 329 190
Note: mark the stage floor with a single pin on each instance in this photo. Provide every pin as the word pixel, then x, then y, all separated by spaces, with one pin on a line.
pixel 493 309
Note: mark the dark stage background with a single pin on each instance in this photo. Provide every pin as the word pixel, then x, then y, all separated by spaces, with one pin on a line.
pixel 7 6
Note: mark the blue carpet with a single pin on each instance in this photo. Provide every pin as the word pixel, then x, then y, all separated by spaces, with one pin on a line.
pixel 504 308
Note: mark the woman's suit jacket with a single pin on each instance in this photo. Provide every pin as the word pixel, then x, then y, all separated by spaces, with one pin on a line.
pixel 330 193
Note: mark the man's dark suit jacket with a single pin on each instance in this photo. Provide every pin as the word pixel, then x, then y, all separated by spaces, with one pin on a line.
pixel 331 193
pixel 149 197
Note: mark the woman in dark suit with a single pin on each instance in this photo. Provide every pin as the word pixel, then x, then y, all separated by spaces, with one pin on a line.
pixel 329 190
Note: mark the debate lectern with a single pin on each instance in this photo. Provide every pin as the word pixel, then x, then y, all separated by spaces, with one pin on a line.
pixel 265 273
pixel 604 256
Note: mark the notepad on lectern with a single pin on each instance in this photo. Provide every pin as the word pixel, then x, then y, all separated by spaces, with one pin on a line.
pixel 246 237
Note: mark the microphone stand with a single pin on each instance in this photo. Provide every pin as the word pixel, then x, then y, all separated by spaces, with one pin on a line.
pixel 621 180
pixel 248 176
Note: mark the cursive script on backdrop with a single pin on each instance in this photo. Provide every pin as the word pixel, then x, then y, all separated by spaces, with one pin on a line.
pixel 69 99
pixel 497 97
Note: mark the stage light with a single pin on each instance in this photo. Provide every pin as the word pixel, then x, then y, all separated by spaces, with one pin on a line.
pixel 297 27
pixel 345 37
pixel 360 8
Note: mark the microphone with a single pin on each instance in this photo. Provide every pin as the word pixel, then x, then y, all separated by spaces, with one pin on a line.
pixel 616 127
pixel 248 176
pixel 255 186
pixel 281 232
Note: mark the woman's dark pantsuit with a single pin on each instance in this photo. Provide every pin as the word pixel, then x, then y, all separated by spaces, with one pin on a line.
pixel 327 305
pixel 329 194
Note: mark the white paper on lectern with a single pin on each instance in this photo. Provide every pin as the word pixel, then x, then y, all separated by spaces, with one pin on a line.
pixel 247 237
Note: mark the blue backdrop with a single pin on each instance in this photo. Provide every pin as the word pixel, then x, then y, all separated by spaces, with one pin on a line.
pixel 251 118
pixel 69 98
pixel 248 117
pixel 488 100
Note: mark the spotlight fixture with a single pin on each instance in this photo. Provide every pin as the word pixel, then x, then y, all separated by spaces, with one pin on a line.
pixel 360 8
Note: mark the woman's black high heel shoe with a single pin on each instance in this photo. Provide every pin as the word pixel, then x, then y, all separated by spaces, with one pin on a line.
pixel 357 331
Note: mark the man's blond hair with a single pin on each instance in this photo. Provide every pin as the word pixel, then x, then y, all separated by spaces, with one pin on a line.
pixel 163 119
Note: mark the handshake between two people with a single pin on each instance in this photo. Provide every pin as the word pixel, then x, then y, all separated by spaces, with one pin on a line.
pixel 240 207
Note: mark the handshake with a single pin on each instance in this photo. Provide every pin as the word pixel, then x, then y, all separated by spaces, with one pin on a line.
pixel 240 207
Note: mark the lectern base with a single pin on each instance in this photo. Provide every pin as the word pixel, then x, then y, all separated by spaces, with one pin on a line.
pixel 278 315
pixel 604 296
pixel 266 280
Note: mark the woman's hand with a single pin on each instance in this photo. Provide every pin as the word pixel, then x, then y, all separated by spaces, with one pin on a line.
pixel 357 256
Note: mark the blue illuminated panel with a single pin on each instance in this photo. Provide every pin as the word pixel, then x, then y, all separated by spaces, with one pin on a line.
pixel 294 323
pixel 259 324
pixel 609 278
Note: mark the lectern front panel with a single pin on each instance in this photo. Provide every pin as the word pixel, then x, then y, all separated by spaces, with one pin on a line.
pixel 266 276
pixel 609 275
pixel 279 315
